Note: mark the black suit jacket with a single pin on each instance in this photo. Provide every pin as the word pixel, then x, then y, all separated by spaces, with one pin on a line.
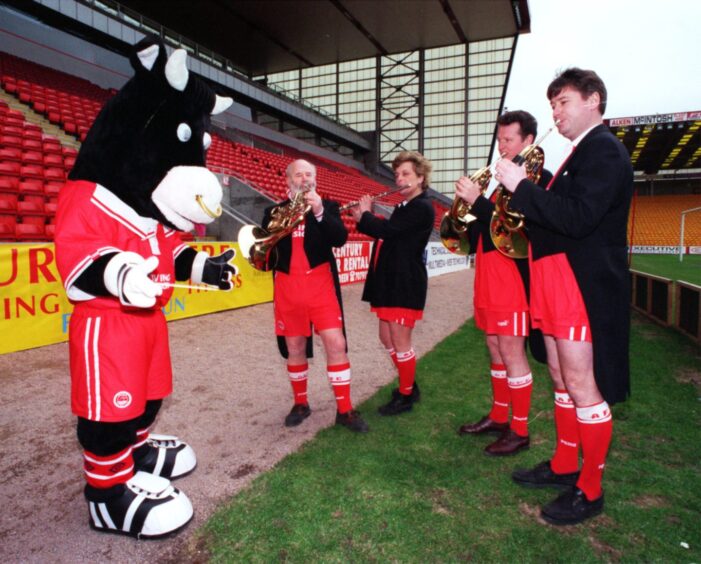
pixel 319 239
pixel 585 216
pixel 399 278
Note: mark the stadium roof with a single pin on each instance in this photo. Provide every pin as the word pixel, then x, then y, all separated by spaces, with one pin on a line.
pixel 266 36
pixel 661 143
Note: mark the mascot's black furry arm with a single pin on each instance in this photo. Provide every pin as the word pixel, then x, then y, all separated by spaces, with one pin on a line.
pixel 139 180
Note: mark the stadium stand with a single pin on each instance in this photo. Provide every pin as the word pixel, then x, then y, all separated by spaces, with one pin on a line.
pixel 34 164
pixel 70 102
pixel 33 167
pixel 655 220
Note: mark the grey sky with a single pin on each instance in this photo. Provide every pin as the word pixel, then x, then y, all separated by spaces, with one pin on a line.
pixel 648 52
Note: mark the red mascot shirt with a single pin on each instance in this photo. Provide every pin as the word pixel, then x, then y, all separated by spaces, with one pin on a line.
pixel 119 355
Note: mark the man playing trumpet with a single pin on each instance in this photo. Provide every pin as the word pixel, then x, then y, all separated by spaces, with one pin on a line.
pixel 581 291
pixel 307 292
pixel 501 303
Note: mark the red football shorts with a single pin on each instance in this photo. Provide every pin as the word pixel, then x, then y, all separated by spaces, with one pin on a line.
pixel 557 307
pixel 501 307
pixel 400 315
pixel 304 299
pixel 508 324
pixel 118 362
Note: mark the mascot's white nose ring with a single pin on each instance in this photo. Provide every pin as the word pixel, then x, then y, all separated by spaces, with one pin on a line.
pixel 213 214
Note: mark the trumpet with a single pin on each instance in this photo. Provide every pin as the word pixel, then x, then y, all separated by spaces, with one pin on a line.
pixel 454 224
pixel 354 203
pixel 257 244
pixel 506 227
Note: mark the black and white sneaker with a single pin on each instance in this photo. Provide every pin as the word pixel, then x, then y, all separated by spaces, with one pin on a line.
pixel 165 456
pixel 146 507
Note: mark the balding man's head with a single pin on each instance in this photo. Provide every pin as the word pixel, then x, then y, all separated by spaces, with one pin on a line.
pixel 301 175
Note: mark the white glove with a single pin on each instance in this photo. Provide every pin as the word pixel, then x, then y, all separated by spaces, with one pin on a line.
pixel 127 277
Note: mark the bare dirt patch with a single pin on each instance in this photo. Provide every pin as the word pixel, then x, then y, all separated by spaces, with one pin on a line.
pixel 651 501
pixel 689 376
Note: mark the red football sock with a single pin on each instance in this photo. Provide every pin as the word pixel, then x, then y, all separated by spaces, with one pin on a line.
pixel 298 380
pixel 141 438
pixel 107 471
pixel 406 365
pixel 500 394
pixel 340 379
pixel 520 389
pixel 595 430
pixel 566 457
pixel 393 355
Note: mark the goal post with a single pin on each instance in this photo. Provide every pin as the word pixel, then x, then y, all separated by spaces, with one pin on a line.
pixel 681 231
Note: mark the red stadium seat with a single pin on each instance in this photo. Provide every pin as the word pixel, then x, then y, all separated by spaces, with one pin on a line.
pixel 9 184
pixel 10 168
pixel 32 157
pixel 53 159
pixel 31 186
pixel 10 141
pixel 52 188
pixel 10 154
pixel 8 204
pixel 15 115
pixel 30 232
pixel 13 130
pixel 30 133
pixel 29 208
pixel 7 227
pixel 31 171
pixel 32 145
pixel 55 174
pixel 51 146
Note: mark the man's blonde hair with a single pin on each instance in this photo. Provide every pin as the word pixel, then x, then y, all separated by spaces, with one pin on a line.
pixel 422 166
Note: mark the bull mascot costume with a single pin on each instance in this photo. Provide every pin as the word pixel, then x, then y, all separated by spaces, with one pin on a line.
pixel 139 180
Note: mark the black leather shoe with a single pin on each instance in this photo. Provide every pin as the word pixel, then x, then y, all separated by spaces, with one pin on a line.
pixel 297 414
pixel 542 476
pixel 571 507
pixel 398 404
pixel 484 425
pixel 415 393
pixel 353 421
pixel 509 443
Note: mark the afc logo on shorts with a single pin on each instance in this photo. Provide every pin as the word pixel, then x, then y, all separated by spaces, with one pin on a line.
pixel 122 399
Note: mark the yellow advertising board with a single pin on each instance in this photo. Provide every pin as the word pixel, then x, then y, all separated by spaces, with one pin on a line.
pixel 35 311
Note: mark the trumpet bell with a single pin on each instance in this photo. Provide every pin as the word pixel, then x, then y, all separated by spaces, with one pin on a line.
pixel 507 227
pixel 512 243
pixel 255 244
pixel 454 235
pixel 455 221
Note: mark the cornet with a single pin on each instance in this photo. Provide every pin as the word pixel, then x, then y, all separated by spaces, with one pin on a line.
pixel 506 228
pixel 257 244
pixel 455 221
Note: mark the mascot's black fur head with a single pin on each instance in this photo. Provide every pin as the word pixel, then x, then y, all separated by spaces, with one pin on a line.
pixel 148 143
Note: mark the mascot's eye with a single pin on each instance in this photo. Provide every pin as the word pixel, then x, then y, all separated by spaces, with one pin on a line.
pixel 206 140
pixel 184 132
